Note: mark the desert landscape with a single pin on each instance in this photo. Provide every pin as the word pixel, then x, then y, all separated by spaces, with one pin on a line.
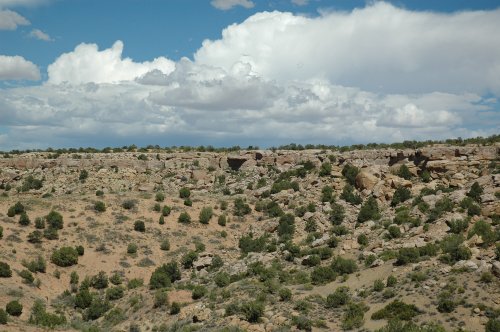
pixel 251 240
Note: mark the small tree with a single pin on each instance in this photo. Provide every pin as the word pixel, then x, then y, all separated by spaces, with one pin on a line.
pixel 184 193
pixel 14 308
pixel 5 271
pixel 139 226
pixel 54 219
pixel 369 210
pixel 65 256
pixel 404 172
pixel 99 206
pixel 24 220
pixel 206 214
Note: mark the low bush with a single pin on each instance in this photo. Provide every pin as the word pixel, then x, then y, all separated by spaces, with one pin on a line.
pixel 322 274
pixel 99 206
pixel 350 196
pixel 188 259
pixel 206 214
pixel 65 256
pixel 14 308
pixel 343 265
pixel 369 210
pixel 350 172
pixel 159 197
pixel 354 316
pixel 248 244
pixel 338 298
pixel 397 310
pixel 139 226
pixel 184 193
pixel 175 308
pixel 3 317
pixel 199 291
pixel 401 195
pixel 184 218
pixel 252 311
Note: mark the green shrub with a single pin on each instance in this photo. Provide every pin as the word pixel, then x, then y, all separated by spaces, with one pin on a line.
pixel 39 223
pixel 354 316
pixel 337 214
pixel 80 250
pixel 493 325
pixel 161 220
pixel 14 308
pixel 184 193
pixel 404 172
pixel 443 205
pixel 206 214
pixel 131 248
pixel 36 265
pixel 27 276
pixel 165 245
pixel 327 194
pixel 3 317
pixel 129 204
pixel 458 226
pixel 51 233
pixel 65 256
pixel 188 259
pixel 139 226
pixel 99 206
pixel 184 218
pixel 343 265
pixel 326 169
pixel 378 285
pixel 454 250
pixel 84 174
pixel 1 232
pixel 401 195
pixel 188 202
pixel 175 308
pixel 166 210
pixel 362 240
pixel 252 311
pixel 475 192
pixel 100 280
pixel 35 237
pixel 114 293
pixel 241 208
pixel 161 298
pixel 397 310
pixel 54 219
pixel 425 176
pixel 446 303
pixel 99 193
pixel 199 291
pixel 135 283
pixel 350 172
pixel 483 229
pixel 83 299
pixel 369 210
pixel 159 197
pixel 222 220
pixel 24 220
pixel 286 226
pixel 407 255
pixel 285 294
pixel 338 298
pixel 97 309
pixel 322 274
pixel 17 208
pixel 164 275
pixel 248 244
pixel 350 196
pixel 281 185
pixel 222 279
pixel 391 281
pixel 394 232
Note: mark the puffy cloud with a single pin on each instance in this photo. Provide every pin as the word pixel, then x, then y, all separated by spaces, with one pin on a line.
pixel 228 4
pixel 17 68
pixel 378 48
pixel 87 64
pixel 201 104
pixel 10 20
pixel 39 34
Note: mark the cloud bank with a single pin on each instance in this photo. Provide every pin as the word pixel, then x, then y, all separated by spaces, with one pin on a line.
pixel 379 74
pixel 18 68
pixel 10 20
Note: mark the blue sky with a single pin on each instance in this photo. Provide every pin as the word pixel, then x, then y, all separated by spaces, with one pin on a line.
pixel 270 72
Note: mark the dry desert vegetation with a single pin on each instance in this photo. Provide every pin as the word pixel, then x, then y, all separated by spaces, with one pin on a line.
pixel 251 240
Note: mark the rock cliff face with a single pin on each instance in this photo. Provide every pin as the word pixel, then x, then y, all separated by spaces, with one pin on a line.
pixel 286 229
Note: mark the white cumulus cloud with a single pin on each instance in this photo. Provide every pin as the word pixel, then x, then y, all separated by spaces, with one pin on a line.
pixel 18 68
pixel 40 35
pixel 87 64
pixel 378 48
pixel 10 20
pixel 228 4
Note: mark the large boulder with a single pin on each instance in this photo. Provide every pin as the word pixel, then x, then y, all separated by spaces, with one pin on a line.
pixel 365 180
